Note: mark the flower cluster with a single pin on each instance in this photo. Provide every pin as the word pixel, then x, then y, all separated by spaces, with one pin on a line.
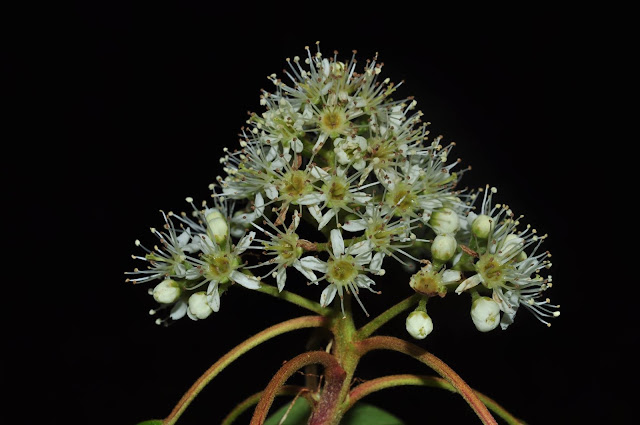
pixel 335 156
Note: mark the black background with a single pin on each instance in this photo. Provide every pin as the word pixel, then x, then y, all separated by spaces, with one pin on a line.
pixel 127 110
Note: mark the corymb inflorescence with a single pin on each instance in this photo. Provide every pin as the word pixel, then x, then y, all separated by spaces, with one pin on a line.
pixel 335 155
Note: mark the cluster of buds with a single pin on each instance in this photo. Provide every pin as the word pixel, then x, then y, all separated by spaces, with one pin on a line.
pixel 335 156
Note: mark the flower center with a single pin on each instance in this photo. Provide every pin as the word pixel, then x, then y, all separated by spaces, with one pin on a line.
pixel 403 198
pixel 333 121
pixel 294 184
pixel 493 273
pixel 287 248
pixel 336 191
pixel 342 271
pixel 220 266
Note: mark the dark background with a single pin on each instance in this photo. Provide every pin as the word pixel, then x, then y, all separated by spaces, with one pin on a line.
pixel 127 110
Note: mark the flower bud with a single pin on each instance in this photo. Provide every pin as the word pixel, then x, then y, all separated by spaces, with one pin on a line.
pixel 167 292
pixel 485 314
pixel 217 224
pixel 198 306
pixel 443 247
pixel 419 324
pixel 482 226
pixel 445 221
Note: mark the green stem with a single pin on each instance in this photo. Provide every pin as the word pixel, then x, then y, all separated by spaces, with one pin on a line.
pixel 233 354
pixel 334 376
pixel 387 315
pixel 405 347
pixel 289 390
pixel 294 299
pixel 378 384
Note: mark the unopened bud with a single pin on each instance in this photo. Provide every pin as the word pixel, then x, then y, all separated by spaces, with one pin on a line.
pixel 482 226
pixel 198 306
pixel 167 292
pixel 218 225
pixel 445 221
pixel 485 314
pixel 443 248
pixel 419 324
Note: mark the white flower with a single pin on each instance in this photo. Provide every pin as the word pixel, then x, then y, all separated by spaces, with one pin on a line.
pixel 167 292
pixel 485 313
pixel 419 324
pixel 443 247
pixel 504 267
pixel 444 221
pixel 344 270
pixel 284 250
pixel 198 306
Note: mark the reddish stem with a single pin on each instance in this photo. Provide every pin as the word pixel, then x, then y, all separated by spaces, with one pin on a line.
pixel 334 376
pixel 401 346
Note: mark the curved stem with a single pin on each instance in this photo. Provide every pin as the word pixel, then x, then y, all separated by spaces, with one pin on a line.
pixel 378 384
pixel 405 347
pixel 334 375
pixel 387 315
pixel 240 349
pixel 294 299
pixel 290 390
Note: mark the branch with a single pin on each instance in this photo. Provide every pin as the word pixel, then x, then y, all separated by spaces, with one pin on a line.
pixel 378 384
pixel 233 354
pixel 293 390
pixel 294 299
pixel 405 347
pixel 334 375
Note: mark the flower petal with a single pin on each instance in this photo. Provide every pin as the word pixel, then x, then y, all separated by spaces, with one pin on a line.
pixel 281 278
pixel 326 218
pixel 244 280
pixel 244 243
pixel 305 272
pixel 313 263
pixel 469 283
pixel 328 295
pixel 179 310
pixel 213 296
pixel 355 225
pixel 450 276
pixel 376 261
pixel 311 199
pixel 337 243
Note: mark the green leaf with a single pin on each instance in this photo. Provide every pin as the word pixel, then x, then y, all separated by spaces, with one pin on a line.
pixel 367 414
pixel 151 422
pixel 298 415
pixel 360 414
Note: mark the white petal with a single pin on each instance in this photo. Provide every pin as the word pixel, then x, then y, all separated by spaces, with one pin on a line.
pixel 359 164
pixel 258 204
pixel 213 297
pixel 297 145
pixel 469 283
pixel 328 295
pixel 311 199
pixel 364 282
pixel 315 212
pixel 337 243
pixel 355 225
pixel 360 197
pixel 319 173
pixel 321 139
pixel 376 261
pixel 363 258
pixel 271 191
pixel 179 310
pixel 305 272
pixel 281 278
pixel 313 263
pixel 450 276
pixel 361 247
pixel 244 280
pixel 244 243
pixel 326 218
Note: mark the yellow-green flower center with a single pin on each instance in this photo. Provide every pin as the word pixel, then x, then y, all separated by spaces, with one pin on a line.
pixel 294 184
pixel 493 273
pixel 342 271
pixel 220 266
pixel 333 121
pixel 336 191
pixel 402 198
pixel 287 248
